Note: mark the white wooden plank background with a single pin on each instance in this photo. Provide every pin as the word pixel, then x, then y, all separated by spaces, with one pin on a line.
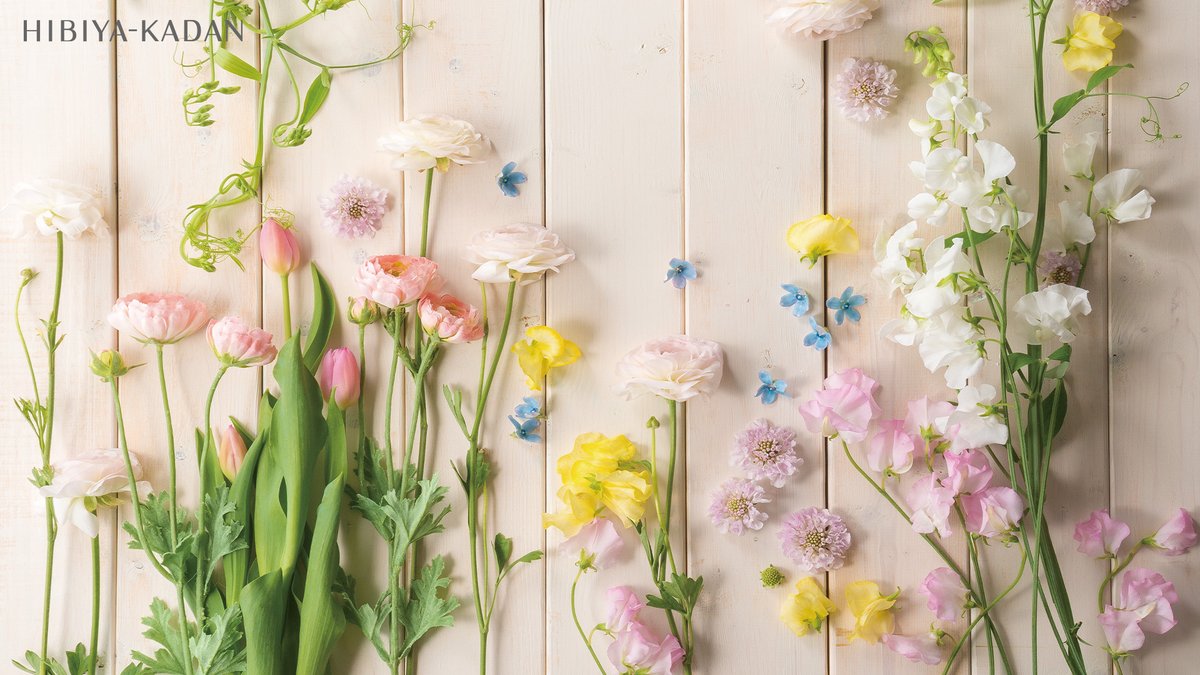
pixel 648 130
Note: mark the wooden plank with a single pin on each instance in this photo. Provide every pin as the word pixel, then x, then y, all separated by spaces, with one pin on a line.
pixel 614 181
pixel 1154 302
pixel 152 204
pixel 741 194
pixel 44 136
pixel 868 183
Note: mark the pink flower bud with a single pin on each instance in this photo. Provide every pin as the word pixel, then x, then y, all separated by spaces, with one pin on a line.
pixel 231 451
pixel 1100 535
pixel 278 246
pixel 239 345
pixel 338 376
pixel 1177 535
pixel 363 311
pixel 449 318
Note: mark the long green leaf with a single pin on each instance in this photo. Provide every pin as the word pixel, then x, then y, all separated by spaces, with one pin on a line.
pixel 322 622
pixel 318 91
pixel 233 63
pixel 264 602
pixel 323 317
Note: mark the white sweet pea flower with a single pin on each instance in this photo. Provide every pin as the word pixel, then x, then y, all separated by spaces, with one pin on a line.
pixel 51 206
pixel 893 256
pixel 976 427
pixel 995 215
pixel 948 341
pixel 1074 226
pixel 904 331
pixel 1051 313
pixel 942 169
pixel 951 102
pixel 1078 156
pixel 928 208
pixel 1116 199
pixel 933 293
pixel 925 130
pixel 998 162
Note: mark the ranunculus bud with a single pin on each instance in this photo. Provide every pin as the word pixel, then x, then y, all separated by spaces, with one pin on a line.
pixel 109 365
pixel 363 311
pixel 278 246
pixel 239 345
pixel 231 451
pixel 449 319
pixel 338 376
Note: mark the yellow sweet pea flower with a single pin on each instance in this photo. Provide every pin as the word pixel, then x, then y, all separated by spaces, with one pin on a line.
pixel 542 349
pixel 872 611
pixel 579 509
pixel 600 473
pixel 821 236
pixel 807 608
pixel 1090 42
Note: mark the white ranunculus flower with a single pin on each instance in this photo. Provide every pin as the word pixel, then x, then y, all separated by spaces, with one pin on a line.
pixel 51 206
pixel 948 341
pixel 1078 156
pixel 1114 195
pixel 822 19
pixel 87 482
pixel 1072 227
pixel 932 294
pixel 976 428
pixel 950 101
pixel 892 257
pixel 676 368
pixel 1050 313
pixel 520 250
pixel 434 141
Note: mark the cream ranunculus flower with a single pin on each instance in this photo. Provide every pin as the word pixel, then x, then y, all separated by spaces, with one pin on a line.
pixel 676 368
pixel 1051 313
pixel 519 251
pixel 434 141
pixel 89 481
pixel 822 19
pixel 50 207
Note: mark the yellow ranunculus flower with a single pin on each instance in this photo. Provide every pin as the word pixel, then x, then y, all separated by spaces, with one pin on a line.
pixel 821 236
pixel 542 349
pixel 600 473
pixel 807 608
pixel 1091 41
pixel 872 611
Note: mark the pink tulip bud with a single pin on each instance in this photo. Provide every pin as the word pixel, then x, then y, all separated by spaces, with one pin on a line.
pixel 338 376
pixel 231 451
pixel 278 246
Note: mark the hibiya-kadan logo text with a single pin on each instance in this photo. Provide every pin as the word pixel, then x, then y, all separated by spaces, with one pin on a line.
pixel 116 30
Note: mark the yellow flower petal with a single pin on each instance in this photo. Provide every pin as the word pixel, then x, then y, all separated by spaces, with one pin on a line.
pixel 542 349
pixel 821 236
pixel 1091 41
pixel 807 608
pixel 872 611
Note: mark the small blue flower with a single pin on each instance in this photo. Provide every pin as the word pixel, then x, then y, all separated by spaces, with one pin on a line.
pixel 819 338
pixel 509 178
pixel 524 429
pixel 528 408
pixel 771 389
pixel 846 305
pixel 796 298
pixel 680 272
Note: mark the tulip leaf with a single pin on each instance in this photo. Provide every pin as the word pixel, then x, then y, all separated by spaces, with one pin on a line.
pixel 264 606
pixel 336 458
pixel 322 622
pixel 233 63
pixel 323 317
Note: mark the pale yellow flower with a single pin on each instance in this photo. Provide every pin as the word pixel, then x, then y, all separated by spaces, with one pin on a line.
pixel 1090 42
pixel 872 611
pixel 807 608
pixel 600 473
pixel 542 349
pixel 820 236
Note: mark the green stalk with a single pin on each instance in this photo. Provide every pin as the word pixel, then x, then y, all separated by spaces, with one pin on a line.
pixel 95 636
pixel 287 307
pixel 211 444
pixel 362 410
pixel 983 615
pixel 425 211
pixel 579 627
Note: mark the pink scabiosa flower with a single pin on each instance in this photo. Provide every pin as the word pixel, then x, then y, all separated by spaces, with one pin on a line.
pixel 354 208
pixel 946 594
pixel 596 544
pixel 1143 604
pixel 395 280
pixel 844 407
pixel 815 539
pixel 238 345
pixel 993 512
pixel 865 89
pixel 892 448
pixel 734 507
pixel 1177 536
pixel 1101 536
pixel 231 451
pixel 917 648
pixel 278 246
pixel 338 376
pixel 158 318
pixel 766 452
pixel 931 504
pixel 449 319
pixel 967 471
pixel 1104 7
pixel 1059 268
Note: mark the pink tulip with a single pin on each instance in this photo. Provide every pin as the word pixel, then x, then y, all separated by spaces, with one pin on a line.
pixel 338 375
pixel 967 471
pixel 158 318
pixel 239 345
pixel 637 649
pixel 278 246
pixel 231 451
pixel 623 608
pixel 449 318
pixel 947 596
pixel 891 448
pixel 844 407
pixel 1177 536
pixel 931 504
pixel 396 280
pixel 918 649
pixel 993 512
pixel 1100 536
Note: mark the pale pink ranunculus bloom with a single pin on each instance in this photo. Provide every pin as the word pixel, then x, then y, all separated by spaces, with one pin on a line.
pixel 637 649
pixel 1100 535
pixel 521 251
pixel 239 345
pixel 623 607
pixel 449 318
pixel 967 471
pixel 599 541
pixel 946 594
pixel 822 19
pixel 396 280
pixel 677 368
pixel 1143 604
pixel 916 648
pixel 993 512
pixel 89 481
pixel 49 207
pixel 892 448
pixel 231 451
pixel 930 503
pixel 278 247
pixel 1178 535
pixel 338 376
pixel 158 318
pixel 844 407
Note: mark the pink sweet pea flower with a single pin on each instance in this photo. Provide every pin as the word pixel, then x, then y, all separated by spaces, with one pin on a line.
pixel 919 649
pixel 967 471
pixel 396 280
pixel 1121 630
pixel 639 650
pixel 844 407
pixel 339 376
pixel 1144 602
pixel 891 448
pixel 993 512
pixel 946 593
pixel 158 318
pixel 931 504
pixel 449 318
pixel 1177 535
pixel 1100 536
pixel 278 246
pixel 928 419
pixel 238 345
pixel 623 608
pixel 596 544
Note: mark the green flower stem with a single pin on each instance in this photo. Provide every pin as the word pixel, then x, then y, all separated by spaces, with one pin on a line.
pixel 211 446
pixel 362 406
pixel 1102 595
pixel 95 635
pixel 672 448
pixel 425 211
pixel 983 615
pixel 287 306
pixel 579 627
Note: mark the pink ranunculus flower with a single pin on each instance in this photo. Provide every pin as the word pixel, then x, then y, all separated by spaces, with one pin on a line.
pixel 158 318
pixel 844 407
pixel 1143 605
pixel 918 649
pixel 396 280
pixel 338 375
pixel 231 451
pixel 931 504
pixel 1177 536
pixel 278 247
pixel 638 650
pixel 449 318
pixel 892 448
pixel 993 512
pixel 946 594
pixel 238 345
pixel 90 480
pixel 967 472
pixel 677 368
pixel 623 607
pixel 1100 536
pixel 596 545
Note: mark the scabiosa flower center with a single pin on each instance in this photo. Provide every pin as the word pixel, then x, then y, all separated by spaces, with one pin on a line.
pixel 766 452
pixel 865 92
pixel 816 541
pixel 354 206
pixel 738 506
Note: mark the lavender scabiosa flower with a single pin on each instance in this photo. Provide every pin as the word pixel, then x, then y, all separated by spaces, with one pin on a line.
pixel 734 507
pixel 766 452
pixel 864 89
pixel 354 208
pixel 815 539
pixel 1059 268
pixel 1104 7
